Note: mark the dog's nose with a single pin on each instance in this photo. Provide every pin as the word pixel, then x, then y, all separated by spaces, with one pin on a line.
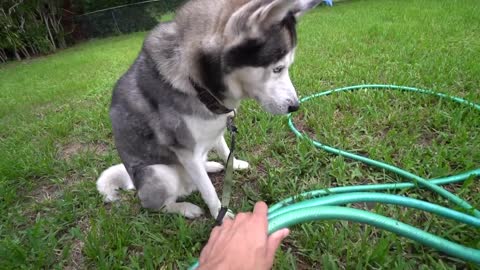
pixel 293 108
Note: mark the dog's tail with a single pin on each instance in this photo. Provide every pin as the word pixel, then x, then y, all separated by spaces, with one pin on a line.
pixel 112 179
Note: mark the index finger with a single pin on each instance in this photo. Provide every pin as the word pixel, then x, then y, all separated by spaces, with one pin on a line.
pixel 260 211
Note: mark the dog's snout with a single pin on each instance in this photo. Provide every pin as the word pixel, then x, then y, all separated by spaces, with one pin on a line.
pixel 294 107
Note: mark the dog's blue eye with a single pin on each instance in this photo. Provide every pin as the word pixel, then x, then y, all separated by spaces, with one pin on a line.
pixel 278 69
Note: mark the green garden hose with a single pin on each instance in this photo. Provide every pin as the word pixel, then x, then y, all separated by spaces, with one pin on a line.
pixel 322 204
pixel 351 214
pixel 414 178
pixel 375 187
pixel 362 197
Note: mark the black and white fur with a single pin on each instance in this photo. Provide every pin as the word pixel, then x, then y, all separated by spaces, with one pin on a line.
pixel 166 110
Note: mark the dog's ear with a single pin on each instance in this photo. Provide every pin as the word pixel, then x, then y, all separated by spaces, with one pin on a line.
pixel 267 15
pixel 258 15
pixel 302 6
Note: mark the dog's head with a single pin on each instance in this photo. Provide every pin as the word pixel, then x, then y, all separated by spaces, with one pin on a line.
pixel 260 46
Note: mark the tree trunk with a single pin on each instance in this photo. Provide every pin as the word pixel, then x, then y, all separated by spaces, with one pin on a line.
pixel 58 28
pixel 34 49
pixel 3 56
pixel 52 40
pixel 25 52
pixel 44 19
pixel 17 55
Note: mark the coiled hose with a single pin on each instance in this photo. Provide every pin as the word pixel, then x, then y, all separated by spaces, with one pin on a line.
pixel 323 204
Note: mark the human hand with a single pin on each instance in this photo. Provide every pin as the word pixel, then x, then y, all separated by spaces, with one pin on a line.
pixel 242 243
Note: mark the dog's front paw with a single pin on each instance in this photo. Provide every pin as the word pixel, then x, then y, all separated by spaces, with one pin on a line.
pixel 190 210
pixel 240 164
pixel 214 208
pixel 213 167
pixel 229 215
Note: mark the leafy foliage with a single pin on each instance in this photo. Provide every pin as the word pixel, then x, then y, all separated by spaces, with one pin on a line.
pixel 93 5
pixel 32 27
pixel 126 16
pixel 124 19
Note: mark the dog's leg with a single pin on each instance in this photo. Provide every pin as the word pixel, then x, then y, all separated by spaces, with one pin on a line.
pixel 189 210
pixel 213 167
pixel 159 189
pixel 223 151
pixel 194 165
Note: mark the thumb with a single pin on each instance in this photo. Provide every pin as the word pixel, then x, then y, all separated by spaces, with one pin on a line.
pixel 273 243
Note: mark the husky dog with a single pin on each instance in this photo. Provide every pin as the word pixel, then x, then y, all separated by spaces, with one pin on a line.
pixel 170 108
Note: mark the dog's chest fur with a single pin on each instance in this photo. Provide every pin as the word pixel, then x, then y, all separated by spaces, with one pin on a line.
pixel 205 132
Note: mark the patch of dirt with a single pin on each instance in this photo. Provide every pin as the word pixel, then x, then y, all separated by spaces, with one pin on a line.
pixel 259 150
pixel 453 188
pixel 275 162
pixel 302 262
pixel 383 133
pixel 44 193
pixel 217 181
pixel 261 170
pixel 338 115
pixel 135 251
pixel 52 191
pixel 365 206
pixel 76 259
pixel 300 124
pixel 244 183
pixel 426 139
pixel 68 151
pixel 71 179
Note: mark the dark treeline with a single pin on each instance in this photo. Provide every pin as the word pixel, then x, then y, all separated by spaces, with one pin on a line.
pixel 36 27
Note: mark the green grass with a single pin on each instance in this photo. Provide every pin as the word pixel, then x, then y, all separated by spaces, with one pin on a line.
pixel 167 16
pixel 55 139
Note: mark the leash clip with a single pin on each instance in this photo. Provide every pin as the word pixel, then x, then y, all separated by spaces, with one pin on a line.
pixel 221 214
pixel 231 123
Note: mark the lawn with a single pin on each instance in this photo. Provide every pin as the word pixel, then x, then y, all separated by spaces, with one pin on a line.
pixel 55 139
